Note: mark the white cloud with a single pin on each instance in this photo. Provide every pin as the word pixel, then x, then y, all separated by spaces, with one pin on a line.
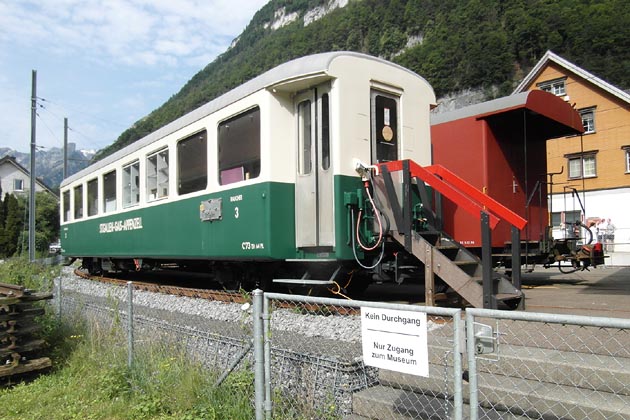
pixel 114 59
pixel 122 31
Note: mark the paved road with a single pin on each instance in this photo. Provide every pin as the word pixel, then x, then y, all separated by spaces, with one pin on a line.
pixel 602 291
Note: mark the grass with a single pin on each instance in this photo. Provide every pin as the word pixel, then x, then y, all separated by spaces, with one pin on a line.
pixel 90 378
pixel 95 383
pixel 31 275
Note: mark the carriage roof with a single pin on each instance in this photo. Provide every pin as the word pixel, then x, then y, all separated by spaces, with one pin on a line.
pixel 304 68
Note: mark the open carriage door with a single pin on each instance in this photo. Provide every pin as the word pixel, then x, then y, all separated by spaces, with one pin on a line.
pixel 384 126
pixel 314 221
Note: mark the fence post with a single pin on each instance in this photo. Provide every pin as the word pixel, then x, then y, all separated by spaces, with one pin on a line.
pixel 59 298
pixel 267 346
pixel 129 324
pixel 259 351
pixel 458 340
pixel 472 366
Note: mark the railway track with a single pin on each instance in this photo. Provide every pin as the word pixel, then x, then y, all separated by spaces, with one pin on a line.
pixel 210 294
pixel 155 287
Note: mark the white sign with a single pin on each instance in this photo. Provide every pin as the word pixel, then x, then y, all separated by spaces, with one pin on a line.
pixel 395 340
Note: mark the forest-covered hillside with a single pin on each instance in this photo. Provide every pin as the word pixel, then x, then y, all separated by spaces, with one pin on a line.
pixel 454 44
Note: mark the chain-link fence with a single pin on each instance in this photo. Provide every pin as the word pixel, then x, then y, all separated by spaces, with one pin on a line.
pixel 319 358
pixel 216 342
pixel 547 366
pixel 332 359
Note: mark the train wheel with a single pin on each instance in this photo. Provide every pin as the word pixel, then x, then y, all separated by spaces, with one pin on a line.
pixel 264 283
pixel 229 280
pixel 92 265
pixel 357 287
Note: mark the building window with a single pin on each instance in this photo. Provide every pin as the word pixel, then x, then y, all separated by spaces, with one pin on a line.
pixel 568 217
pixel 157 175
pixel 18 185
pixel 92 197
pixel 131 184
pixel 239 147
pixel 582 166
pixel 626 150
pixel 556 86
pixel 588 120
pixel 109 192
pixel 192 163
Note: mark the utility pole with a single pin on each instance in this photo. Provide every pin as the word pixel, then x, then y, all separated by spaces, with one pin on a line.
pixel 31 202
pixel 65 148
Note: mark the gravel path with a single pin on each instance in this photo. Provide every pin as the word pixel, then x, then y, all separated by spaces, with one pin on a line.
pixel 332 336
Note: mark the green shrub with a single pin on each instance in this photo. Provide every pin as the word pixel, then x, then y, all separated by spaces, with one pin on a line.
pixel 33 276
pixel 93 382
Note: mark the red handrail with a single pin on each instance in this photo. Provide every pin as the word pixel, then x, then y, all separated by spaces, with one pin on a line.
pixel 460 192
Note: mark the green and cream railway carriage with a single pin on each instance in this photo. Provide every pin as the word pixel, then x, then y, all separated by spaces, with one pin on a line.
pixel 251 185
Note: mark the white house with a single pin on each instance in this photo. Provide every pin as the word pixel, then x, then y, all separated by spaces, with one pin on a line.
pixel 15 179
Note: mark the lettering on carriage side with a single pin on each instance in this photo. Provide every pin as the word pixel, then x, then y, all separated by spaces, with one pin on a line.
pixel 121 225
pixel 236 199
pixel 250 246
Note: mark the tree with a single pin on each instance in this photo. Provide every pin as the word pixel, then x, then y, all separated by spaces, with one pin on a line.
pixel 46 220
pixel 465 44
pixel 13 225
pixel 13 232
pixel 3 214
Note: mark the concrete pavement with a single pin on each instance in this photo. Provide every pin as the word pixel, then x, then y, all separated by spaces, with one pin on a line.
pixel 602 291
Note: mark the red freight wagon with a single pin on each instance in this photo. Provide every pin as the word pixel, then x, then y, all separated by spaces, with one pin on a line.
pixel 500 147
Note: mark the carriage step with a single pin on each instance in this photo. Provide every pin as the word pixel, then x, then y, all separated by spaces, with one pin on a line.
pixel 523 254
pixel 305 282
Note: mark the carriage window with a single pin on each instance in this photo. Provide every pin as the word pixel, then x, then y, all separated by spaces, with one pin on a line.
pixel 157 175
pixel 66 206
pixel 78 202
pixel 131 184
pixel 192 163
pixel 239 147
pixel 305 160
pixel 109 191
pixel 384 127
pixel 92 197
pixel 325 132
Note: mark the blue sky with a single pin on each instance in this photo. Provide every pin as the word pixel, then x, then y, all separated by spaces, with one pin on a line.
pixel 103 64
